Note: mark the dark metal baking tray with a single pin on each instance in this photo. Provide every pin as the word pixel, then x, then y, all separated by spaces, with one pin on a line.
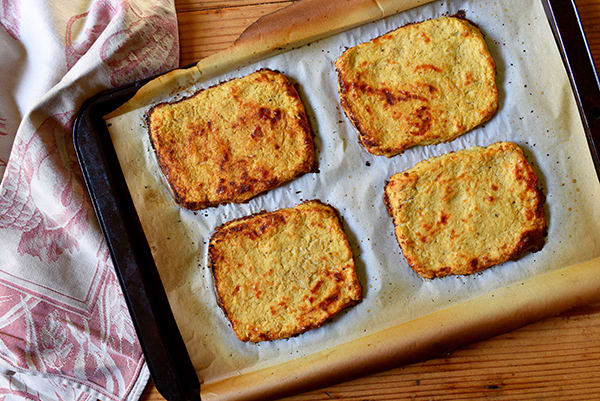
pixel 163 347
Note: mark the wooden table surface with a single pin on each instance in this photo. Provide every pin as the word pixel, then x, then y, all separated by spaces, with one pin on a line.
pixel 557 358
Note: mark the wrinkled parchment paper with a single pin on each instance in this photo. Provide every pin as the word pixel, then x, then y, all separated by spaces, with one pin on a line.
pixel 536 110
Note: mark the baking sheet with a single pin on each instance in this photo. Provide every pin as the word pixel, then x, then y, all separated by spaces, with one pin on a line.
pixel 536 110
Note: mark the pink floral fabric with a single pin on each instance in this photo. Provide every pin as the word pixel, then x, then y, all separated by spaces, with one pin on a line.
pixel 65 332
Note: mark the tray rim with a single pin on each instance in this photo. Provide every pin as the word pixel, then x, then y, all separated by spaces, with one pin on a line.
pixel 175 378
pixel 163 347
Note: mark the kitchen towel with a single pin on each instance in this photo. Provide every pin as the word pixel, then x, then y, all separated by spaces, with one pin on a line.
pixel 65 332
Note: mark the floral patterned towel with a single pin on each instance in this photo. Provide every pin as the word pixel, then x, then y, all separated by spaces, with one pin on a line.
pixel 65 332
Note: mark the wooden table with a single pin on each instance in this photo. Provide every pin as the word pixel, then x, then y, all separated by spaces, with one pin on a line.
pixel 557 358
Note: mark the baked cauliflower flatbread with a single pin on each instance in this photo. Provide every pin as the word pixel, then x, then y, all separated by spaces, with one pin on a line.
pixel 463 212
pixel 230 142
pixel 282 273
pixel 420 84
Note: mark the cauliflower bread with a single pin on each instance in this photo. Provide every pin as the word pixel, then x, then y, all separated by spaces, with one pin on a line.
pixel 282 273
pixel 232 141
pixel 466 211
pixel 423 83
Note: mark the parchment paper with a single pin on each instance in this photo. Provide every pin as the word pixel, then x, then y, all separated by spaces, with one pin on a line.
pixel 536 110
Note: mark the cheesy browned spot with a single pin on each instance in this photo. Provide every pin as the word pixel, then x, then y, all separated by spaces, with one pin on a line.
pixel 282 273
pixel 466 211
pixel 420 84
pixel 232 141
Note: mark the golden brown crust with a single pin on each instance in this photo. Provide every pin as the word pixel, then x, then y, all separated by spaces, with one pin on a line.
pixel 279 274
pixel 463 212
pixel 406 88
pixel 232 141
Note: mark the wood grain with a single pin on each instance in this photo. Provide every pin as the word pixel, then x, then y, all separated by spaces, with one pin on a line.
pixel 557 358
pixel 206 30
pixel 589 11
pixel 183 6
